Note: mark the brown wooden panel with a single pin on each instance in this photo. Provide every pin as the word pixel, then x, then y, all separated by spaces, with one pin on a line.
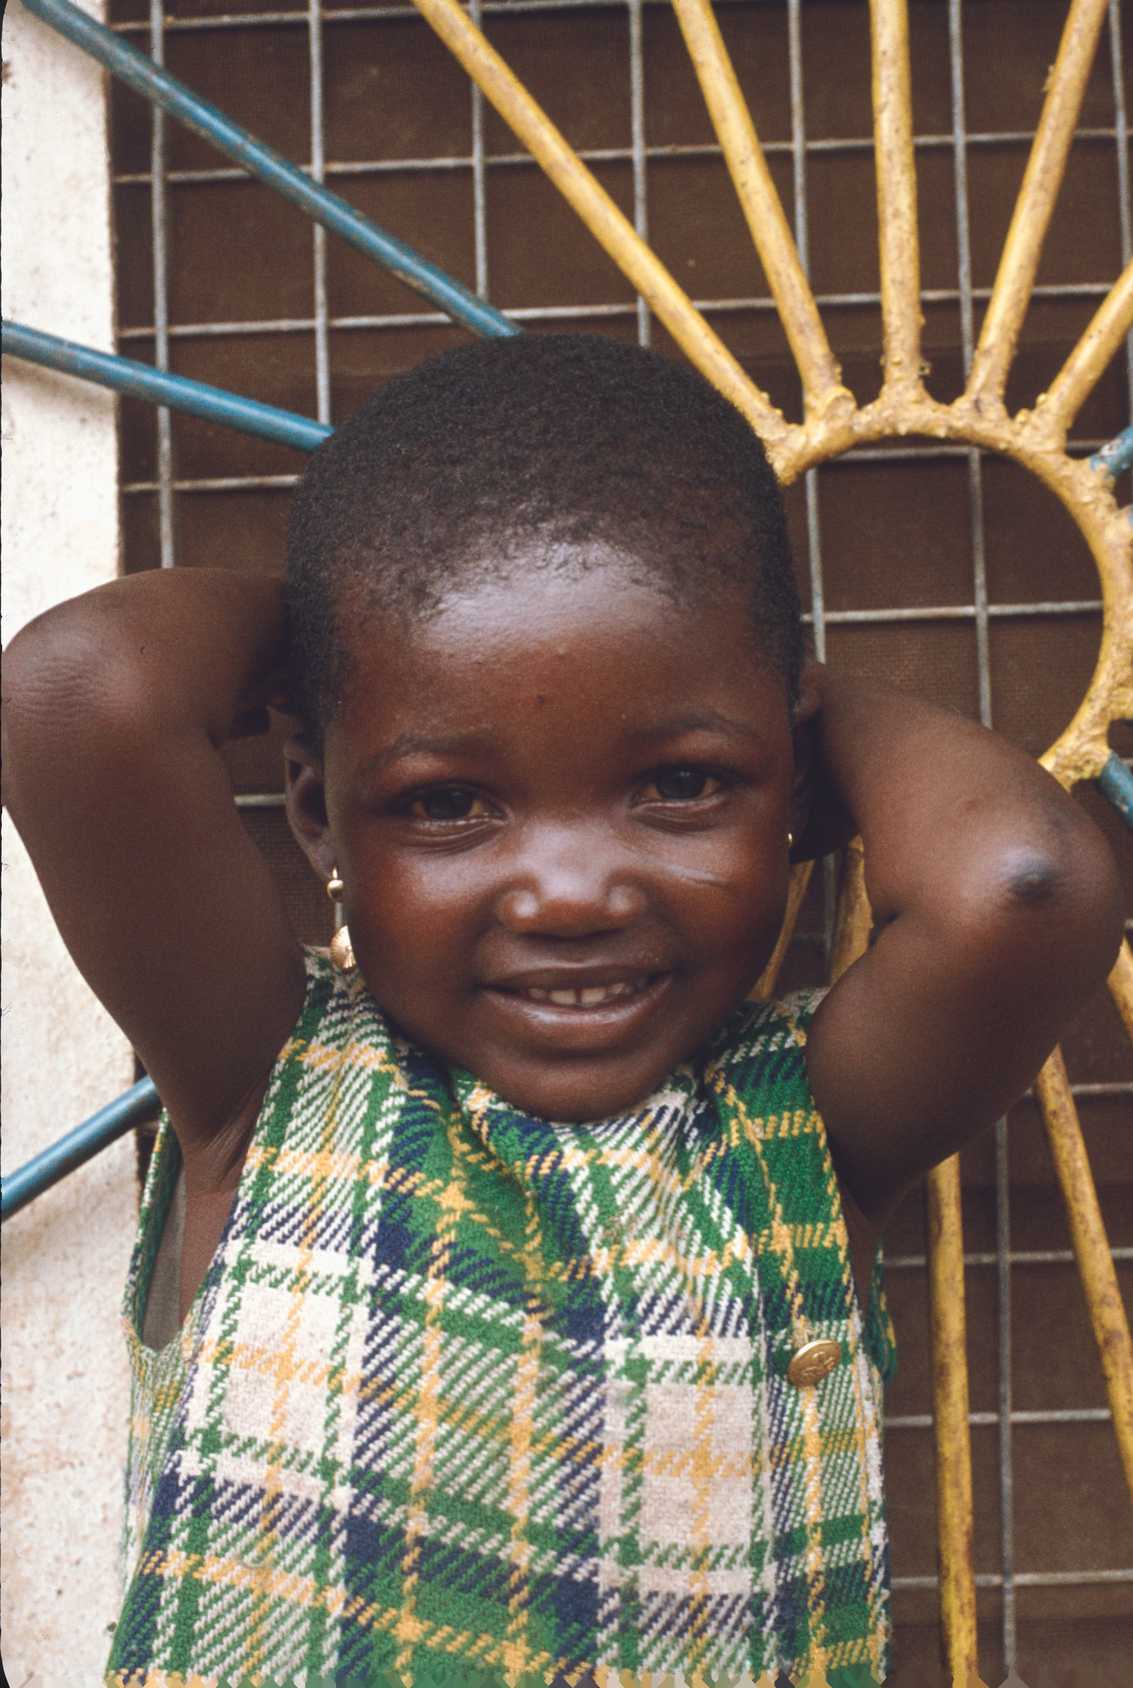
pixel 392 93
pixel 892 529
pixel 261 80
pixel 584 103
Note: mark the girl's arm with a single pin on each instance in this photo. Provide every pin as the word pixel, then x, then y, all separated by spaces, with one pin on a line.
pixel 997 910
pixel 116 705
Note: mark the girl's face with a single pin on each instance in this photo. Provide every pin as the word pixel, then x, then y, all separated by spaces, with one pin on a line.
pixel 560 808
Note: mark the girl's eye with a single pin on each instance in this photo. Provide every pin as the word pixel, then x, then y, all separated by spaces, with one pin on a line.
pixel 682 785
pixel 449 803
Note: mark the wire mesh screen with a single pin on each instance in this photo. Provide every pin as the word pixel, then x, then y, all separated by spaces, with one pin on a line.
pixel 938 567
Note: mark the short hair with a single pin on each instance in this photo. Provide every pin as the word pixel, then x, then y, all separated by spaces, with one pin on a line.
pixel 573 437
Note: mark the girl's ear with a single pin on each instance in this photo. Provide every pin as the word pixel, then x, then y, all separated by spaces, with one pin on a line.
pixel 820 821
pixel 806 748
pixel 306 805
pixel 811 679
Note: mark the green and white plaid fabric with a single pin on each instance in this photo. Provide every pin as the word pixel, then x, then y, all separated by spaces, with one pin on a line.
pixel 468 1397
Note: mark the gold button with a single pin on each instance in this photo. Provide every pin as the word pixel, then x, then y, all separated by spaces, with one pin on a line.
pixel 813 1361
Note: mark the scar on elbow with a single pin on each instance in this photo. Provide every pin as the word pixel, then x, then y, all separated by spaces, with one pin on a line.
pixel 1031 878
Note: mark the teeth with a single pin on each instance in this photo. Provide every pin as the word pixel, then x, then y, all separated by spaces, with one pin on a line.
pixel 590 996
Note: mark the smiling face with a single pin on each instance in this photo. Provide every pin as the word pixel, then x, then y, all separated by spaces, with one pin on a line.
pixel 560 808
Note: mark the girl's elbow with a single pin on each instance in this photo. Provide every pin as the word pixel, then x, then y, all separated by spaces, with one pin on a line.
pixel 1061 906
pixel 66 689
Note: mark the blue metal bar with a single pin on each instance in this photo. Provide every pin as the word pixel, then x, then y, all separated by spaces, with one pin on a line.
pixel 1116 780
pixel 159 244
pixel 142 381
pixel 148 79
pixel 94 1134
pixel 1115 457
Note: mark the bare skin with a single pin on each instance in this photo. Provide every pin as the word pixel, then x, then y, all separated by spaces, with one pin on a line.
pixel 551 783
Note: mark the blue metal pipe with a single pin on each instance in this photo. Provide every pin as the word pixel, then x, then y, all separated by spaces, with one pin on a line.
pixel 1116 780
pixel 155 84
pixel 1115 457
pixel 142 381
pixel 94 1134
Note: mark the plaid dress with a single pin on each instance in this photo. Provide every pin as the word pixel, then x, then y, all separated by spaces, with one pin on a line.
pixel 468 1397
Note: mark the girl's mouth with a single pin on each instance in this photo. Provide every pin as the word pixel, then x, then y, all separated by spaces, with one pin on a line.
pixel 589 996
pixel 582 1018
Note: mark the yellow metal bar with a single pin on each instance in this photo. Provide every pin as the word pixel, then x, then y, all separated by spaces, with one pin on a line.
pixel 1095 1262
pixel 950 1413
pixel 762 207
pixel 1046 165
pixel 1121 986
pixel 949 1339
pixel 1086 364
pixel 764 987
pixel 851 930
pixel 949 1343
pixel 896 195
pixel 949 1349
pixel 606 222
pixel 1082 749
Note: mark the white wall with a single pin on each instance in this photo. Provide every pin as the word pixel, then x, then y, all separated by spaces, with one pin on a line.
pixel 65 1398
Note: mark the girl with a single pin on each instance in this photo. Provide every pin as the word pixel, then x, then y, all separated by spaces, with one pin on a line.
pixel 499 1311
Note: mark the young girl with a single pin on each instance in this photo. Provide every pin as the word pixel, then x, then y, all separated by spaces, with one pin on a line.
pixel 498 1313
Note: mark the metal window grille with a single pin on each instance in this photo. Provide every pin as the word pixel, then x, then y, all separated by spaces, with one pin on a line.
pixel 1011 641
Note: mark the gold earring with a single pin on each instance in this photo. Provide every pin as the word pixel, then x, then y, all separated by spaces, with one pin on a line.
pixel 341 949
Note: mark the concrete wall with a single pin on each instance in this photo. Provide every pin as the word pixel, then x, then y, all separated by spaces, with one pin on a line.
pixel 65 1398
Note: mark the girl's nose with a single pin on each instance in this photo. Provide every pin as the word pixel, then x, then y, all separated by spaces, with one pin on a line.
pixel 568 888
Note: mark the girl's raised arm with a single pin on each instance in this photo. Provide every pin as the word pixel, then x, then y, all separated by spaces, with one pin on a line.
pixel 997 911
pixel 116 705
